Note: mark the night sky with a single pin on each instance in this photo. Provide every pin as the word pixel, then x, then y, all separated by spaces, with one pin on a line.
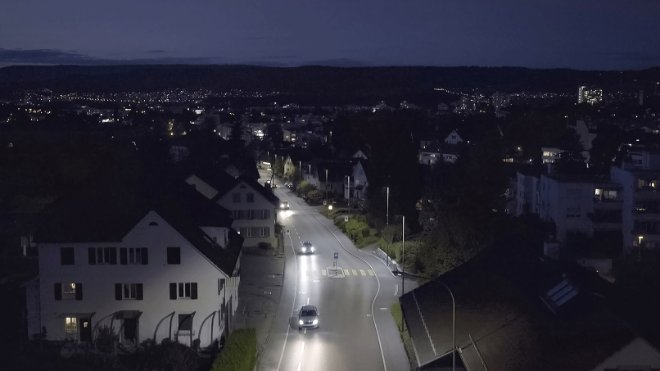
pixel 581 34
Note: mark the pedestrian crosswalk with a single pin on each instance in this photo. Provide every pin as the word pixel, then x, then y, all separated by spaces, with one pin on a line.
pixel 343 272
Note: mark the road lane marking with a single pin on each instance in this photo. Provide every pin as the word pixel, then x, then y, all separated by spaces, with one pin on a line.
pixel 347 272
pixel 362 272
pixel 324 272
pixel 354 272
pixel 371 272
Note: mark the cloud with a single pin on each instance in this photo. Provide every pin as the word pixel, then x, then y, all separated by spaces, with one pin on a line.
pixel 42 56
pixel 58 57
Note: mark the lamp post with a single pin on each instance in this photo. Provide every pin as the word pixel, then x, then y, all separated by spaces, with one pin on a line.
pixel 348 177
pixel 387 206
pixel 326 184
pixel 403 259
pixel 640 238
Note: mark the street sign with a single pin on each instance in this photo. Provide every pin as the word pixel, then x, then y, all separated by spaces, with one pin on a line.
pixel 336 255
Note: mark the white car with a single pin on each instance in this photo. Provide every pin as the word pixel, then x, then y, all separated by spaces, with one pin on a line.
pixel 307 248
pixel 308 317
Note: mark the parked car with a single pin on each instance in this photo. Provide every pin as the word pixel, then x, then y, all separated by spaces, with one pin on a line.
pixel 284 205
pixel 308 317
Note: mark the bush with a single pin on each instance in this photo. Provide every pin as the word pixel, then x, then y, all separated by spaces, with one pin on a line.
pixel 240 352
pixel 314 196
pixel 106 340
pixel 168 355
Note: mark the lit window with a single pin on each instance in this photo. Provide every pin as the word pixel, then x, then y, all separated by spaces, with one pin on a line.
pixel 71 326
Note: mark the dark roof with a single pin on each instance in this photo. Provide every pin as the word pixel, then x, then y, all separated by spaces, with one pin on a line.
pixel 267 193
pixel 108 214
pixel 501 320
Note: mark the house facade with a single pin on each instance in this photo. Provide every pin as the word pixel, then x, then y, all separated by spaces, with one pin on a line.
pixel 253 209
pixel 151 277
pixel 639 178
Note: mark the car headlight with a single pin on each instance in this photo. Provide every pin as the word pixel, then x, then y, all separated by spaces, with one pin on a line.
pixel 315 322
pixel 304 249
pixel 300 322
pixel 311 249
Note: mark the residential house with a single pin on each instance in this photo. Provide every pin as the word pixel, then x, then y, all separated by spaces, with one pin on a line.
pixel 253 207
pixel 638 174
pixel 502 311
pixel 149 265
pixel 429 152
pixel 451 147
pixel 357 183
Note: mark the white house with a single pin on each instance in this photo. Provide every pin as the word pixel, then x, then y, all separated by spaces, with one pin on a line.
pixel 639 177
pixel 355 189
pixel 253 207
pixel 156 267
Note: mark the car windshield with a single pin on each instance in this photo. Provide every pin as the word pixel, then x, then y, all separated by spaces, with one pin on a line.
pixel 308 312
pixel 307 243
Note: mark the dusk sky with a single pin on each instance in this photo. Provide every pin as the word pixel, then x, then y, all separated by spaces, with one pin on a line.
pixel 581 34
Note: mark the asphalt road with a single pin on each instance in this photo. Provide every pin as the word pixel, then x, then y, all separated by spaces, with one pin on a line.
pixel 353 294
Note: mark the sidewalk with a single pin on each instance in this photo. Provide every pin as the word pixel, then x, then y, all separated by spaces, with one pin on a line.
pixel 259 291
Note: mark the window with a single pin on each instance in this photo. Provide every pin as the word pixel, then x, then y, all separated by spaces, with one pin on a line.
pixel 66 256
pixel 250 197
pixel 133 256
pixel 185 322
pixel 255 232
pixel 173 255
pixel 264 214
pixel 128 291
pixel 71 327
pixel 68 291
pixel 102 255
pixel 183 290
pixel 236 197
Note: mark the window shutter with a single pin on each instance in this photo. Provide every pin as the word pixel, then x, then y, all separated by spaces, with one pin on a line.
pixel 172 291
pixel 79 294
pixel 193 290
pixel 92 255
pixel 145 256
pixel 138 287
pixel 118 289
pixel 123 256
pixel 58 291
pixel 113 255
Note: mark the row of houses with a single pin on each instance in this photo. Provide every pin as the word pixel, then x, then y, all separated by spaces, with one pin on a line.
pixel 150 262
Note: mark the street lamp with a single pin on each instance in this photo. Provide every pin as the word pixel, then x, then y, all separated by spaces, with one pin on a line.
pixel 387 206
pixel 326 184
pixel 403 258
pixel 640 238
pixel 349 190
